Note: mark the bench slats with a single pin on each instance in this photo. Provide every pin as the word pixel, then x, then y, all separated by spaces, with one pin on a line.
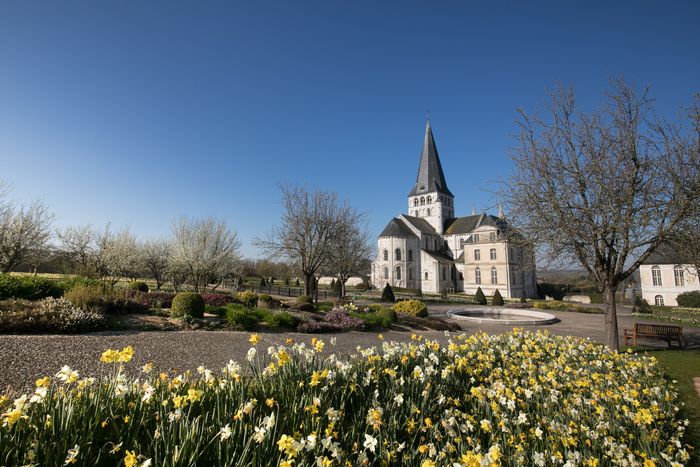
pixel 658 331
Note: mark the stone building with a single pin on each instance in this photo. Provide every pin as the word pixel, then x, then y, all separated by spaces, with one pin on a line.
pixel 431 250
pixel 665 274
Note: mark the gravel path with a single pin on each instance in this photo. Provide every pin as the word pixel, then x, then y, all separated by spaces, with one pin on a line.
pixel 23 359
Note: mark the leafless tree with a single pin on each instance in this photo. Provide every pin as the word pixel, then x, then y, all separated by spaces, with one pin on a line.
pixel 310 226
pixel 205 250
pixel 116 255
pixel 155 256
pixel 603 188
pixel 24 230
pixel 78 246
pixel 352 253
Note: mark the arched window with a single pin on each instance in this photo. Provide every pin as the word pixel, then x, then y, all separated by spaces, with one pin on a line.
pixel 415 201
pixel 477 255
pixel 397 254
pixel 426 275
pixel 477 276
pixel 492 253
pixel 678 276
pixel 427 212
pixel 415 213
pixel 410 273
pixel 422 200
pixel 397 273
pixel 430 199
pixel 386 255
pixel 410 255
pixel 494 276
pixel 659 300
pixel 386 272
pixel 656 275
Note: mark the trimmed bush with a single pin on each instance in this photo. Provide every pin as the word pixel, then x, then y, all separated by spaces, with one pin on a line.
pixel 247 298
pixel 497 299
pixel 68 284
pixel 412 307
pixel 49 315
pixel 28 287
pixel 383 317
pixel 217 299
pixel 523 300
pixel 479 297
pixel 689 299
pixel 242 317
pixel 188 303
pixel 279 319
pixel 641 306
pixel 388 294
pixel 139 286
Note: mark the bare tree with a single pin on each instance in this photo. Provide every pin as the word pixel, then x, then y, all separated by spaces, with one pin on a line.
pixel 156 255
pixel 78 246
pixel 602 188
pixel 24 230
pixel 352 253
pixel 205 250
pixel 311 222
pixel 117 255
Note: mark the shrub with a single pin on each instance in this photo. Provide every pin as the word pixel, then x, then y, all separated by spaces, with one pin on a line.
pixel 412 307
pixel 312 326
pixel 217 299
pixel 296 282
pixel 362 287
pixel 383 317
pixel 139 286
pixel 50 315
pixel 242 317
pixel 188 304
pixel 69 283
pixel 306 307
pixel 689 299
pixel 247 298
pixel 497 299
pixel 388 294
pixel 641 305
pixel 523 300
pixel 301 299
pixel 215 310
pixel 279 319
pixel 343 320
pixel 28 287
pixel 479 297
pixel 264 298
pixel 104 299
pixel 265 301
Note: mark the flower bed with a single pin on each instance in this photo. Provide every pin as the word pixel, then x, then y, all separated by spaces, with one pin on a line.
pixel 688 316
pixel 515 399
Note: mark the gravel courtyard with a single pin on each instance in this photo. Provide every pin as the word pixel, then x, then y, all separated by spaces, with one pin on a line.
pixel 23 359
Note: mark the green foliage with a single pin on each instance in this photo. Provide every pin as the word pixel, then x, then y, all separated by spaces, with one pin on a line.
pixel 388 294
pixel 279 319
pixel 689 299
pixel 218 310
pixel 306 307
pixel 139 286
pixel 378 316
pixel 188 303
pixel 296 282
pixel 242 316
pixel 48 315
pixel 262 282
pixel 247 298
pixel 286 281
pixel 28 287
pixel 88 296
pixel 412 307
pixel 497 299
pixel 641 306
pixel 479 297
pixel 71 282
pixel 362 287
pixel 302 299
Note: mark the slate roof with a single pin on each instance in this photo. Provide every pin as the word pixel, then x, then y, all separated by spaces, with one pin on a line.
pixel 466 224
pixel 397 228
pixel 666 254
pixel 430 175
pixel 421 224
pixel 438 256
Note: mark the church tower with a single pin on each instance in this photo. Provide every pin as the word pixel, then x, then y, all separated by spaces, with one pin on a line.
pixel 430 198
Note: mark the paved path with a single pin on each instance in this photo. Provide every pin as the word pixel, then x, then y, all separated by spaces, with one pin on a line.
pixel 23 359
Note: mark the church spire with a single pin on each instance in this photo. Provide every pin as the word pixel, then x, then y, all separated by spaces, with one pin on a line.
pixel 430 175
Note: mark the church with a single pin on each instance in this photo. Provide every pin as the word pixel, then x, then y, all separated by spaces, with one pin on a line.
pixel 431 250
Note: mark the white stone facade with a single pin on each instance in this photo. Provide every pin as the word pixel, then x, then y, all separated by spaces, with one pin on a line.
pixel 662 283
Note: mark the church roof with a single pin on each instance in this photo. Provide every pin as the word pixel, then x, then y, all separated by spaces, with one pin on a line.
pixel 466 224
pixel 396 228
pixel 430 175
pixel 436 255
pixel 421 224
pixel 666 254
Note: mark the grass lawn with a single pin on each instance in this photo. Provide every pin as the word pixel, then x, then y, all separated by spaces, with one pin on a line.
pixel 683 366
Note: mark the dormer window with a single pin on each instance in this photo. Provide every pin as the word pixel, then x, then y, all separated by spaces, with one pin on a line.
pixel 492 236
pixel 475 238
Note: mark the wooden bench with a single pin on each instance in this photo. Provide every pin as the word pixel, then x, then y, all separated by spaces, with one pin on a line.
pixel 664 332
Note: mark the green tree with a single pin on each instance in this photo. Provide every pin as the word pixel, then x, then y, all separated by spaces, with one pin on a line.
pixel 388 294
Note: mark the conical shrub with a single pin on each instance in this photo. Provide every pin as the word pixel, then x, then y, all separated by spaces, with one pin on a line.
pixel 497 299
pixel 480 297
pixel 388 294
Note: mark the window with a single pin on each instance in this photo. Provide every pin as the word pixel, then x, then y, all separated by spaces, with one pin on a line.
pixel 492 236
pixel 426 275
pixel 410 274
pixel 386 255
pixel 397 273
pixel 415 201
pixel 422 201
pixel 397 254
pixel 477 255
pixel 477 276
pixel 410 255
pixel 494 276
pixel 430 199
pixel 427 211
pixel 415 213
pixel 386 272
pixel 492 253
pixel 678 276
pixel 444 276
pixel 659 300
pixel 475 238
pixel 656 275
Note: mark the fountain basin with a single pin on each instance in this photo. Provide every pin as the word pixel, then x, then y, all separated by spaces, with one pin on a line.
pixel 499 315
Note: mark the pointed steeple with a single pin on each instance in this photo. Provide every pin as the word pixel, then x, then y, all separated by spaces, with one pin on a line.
pixel 430 176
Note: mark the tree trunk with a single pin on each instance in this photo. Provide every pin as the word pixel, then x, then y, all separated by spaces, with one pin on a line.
pixel 612 339
pixel 308 284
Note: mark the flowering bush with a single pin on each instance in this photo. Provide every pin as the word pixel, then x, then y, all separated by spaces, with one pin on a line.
pixel 343 320
pixel 412 307
pixel 50 315
pixel 248 298
pixel 519 398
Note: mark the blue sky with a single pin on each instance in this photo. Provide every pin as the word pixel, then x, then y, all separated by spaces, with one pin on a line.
pixel 137 112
